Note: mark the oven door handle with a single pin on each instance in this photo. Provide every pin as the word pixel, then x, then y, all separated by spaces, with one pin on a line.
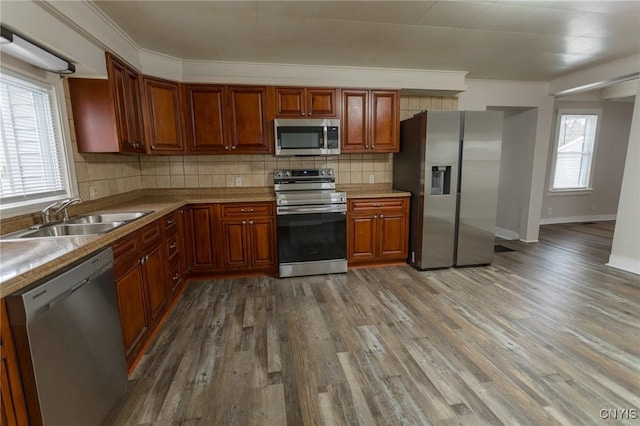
pixel 334 208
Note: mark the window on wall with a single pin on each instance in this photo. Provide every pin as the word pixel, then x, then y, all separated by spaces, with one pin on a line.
pixel 33 164
pixel 576 135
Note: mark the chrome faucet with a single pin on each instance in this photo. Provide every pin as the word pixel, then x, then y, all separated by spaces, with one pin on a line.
pixel 62 205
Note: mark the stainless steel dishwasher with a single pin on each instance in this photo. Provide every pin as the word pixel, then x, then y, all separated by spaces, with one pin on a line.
pixel 67 332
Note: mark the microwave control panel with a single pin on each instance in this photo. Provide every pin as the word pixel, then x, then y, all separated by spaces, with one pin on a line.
pixel 333 137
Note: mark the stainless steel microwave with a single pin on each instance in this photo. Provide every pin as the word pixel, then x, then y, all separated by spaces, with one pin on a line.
pixel 307 136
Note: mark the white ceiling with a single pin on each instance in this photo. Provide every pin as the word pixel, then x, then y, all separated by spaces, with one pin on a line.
pixel 511 40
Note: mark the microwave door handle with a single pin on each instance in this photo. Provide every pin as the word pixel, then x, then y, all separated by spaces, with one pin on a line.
pixel 325 131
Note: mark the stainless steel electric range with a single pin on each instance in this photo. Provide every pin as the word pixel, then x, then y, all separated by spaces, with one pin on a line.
pixel 312 222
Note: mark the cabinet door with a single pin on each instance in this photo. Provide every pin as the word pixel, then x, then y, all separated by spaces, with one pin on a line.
pixel 205 118
pixel 133 319
pixel 13 407
pixel 117 80
pixel 128 108
pixel 321 102
pixel 163 119
pixel 354 121
pixel 384 121
pixel 247 120
pixel 262 242
pixel 202 236
pixel 154 266
pixel 392 235
pixel 134 110
pixel 234 237
pixel 290 102
pixel 361 241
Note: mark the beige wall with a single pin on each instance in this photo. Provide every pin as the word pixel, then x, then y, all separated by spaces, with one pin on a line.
pixel 112 174
pixel 608 167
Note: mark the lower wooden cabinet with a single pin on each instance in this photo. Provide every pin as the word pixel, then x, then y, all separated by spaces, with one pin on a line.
pixel 143 289
pixel 248 236
pixel 201 233
pixel 377 230
pixel 231 237
pixel 13 408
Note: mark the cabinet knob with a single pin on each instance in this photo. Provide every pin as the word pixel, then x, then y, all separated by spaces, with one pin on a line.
pixel 172 246
pixel 373 147
pixel 366 147
pixel 233 147
pixel 381 216
pixel 244 222
pixel 175 277
pixel 170 221
pixel 250 222
pixel 246 210
pixel 301 113
pixel 375 216
pixel 226 147
pixel 153 147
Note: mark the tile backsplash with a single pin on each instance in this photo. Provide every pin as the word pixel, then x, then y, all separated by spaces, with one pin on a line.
pixel 103 175
pixel 203 171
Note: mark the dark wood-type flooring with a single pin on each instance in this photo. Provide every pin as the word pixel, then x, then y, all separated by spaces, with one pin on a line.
pixel 546 335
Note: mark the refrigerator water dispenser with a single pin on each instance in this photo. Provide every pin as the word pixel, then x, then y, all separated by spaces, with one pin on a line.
pixel 440 180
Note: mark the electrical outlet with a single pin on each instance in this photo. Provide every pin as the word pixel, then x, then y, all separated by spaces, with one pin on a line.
pixel 372 178
pixel 93 192
pixel 238 181
pixel 549 211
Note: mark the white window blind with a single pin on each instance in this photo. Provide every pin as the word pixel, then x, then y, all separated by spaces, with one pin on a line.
pixel 31 165
pixel 575 142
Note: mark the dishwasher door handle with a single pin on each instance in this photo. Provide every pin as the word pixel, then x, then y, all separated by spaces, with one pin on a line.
pixel 66 294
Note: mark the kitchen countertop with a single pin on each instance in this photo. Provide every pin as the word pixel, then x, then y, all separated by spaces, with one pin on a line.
pixel 25 261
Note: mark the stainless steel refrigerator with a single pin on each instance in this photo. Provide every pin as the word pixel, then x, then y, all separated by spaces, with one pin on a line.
pixel 450 162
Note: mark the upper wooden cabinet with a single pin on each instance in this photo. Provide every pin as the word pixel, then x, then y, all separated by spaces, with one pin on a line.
pixel 162 116
pixel 124 82
pixel 108 113
pixel 248 120
pixel 305 102
pixel 226 119
pixel 370 121
pixel 205 111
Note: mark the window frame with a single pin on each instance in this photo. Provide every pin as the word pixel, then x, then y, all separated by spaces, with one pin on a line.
pixel 554 153
pixel 54 85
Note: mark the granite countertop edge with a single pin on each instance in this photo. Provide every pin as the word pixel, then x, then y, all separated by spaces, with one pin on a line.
pixel 86 245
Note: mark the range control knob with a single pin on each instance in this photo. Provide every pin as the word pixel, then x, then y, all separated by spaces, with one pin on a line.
pixel 287 173
pixel 322 171
pixel 330 172
pixel 278 173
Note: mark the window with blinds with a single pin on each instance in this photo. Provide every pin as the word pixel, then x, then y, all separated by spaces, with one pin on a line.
pixel 32 165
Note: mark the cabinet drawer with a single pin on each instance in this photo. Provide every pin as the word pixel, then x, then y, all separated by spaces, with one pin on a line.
pixel 126 253
pixel 377 204
pixel 246 210
pixel 173 248
pixel 150 233
pixel 175 278
pixel 170 223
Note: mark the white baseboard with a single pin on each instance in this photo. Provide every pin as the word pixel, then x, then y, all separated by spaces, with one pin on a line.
pixel 507 234
pixel 625 263
pixel 576 219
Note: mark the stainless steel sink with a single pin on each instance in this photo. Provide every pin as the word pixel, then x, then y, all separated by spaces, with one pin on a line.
pixel 109 217
pixel 89 224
